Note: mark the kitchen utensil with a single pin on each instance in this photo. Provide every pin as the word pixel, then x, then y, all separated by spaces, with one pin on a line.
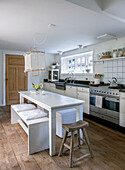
pixel 52 66
pixel 113 83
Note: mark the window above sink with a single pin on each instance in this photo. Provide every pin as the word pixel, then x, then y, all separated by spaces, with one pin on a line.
pixel 78 63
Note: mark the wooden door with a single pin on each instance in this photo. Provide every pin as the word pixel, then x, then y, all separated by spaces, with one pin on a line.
pixel 16 79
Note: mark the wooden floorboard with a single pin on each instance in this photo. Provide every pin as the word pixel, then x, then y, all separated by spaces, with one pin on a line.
pixel 108 147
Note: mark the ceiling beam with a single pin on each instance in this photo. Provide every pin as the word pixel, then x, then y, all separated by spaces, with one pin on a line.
pixel 99 6
pixel 105 4
pixel 122 20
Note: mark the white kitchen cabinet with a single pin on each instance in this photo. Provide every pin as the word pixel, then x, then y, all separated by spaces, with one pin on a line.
pixel 71 91
pixel 58 91
pixel 122 110
pixel 83 94
pixel 52 87
pixel 49 87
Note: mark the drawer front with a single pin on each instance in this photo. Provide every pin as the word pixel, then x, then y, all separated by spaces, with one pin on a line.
pixel 71 91
pixel 69 88
pixel 83 89
pixel 52 85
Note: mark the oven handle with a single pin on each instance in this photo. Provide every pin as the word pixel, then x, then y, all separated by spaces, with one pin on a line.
pixel 93 95
pixel 112 99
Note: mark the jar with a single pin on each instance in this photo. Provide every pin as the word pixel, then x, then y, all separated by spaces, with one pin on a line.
pixel 115 53
pixel 123 53
pixel 120 52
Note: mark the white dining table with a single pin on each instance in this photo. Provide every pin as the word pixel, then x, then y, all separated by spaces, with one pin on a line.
pixel 53 102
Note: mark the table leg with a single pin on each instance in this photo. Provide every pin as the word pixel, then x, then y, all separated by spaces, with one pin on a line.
pixel 21 99
pixel 79 114
pixel 52 132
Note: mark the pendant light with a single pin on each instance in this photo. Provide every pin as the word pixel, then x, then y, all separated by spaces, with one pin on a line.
pixel 34 58
pixel 34 61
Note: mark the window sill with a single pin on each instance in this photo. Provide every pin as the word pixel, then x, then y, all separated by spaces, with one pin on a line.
pixel 85 74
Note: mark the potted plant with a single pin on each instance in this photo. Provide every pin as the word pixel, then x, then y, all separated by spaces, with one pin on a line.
pixel 37 87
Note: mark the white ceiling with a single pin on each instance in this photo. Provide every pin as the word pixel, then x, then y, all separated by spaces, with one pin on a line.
pixel 76 23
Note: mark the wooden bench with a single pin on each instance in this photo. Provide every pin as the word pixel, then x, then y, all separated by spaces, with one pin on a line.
pixel 36 129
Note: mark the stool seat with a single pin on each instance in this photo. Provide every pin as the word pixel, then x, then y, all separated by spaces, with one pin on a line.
pixel 74 126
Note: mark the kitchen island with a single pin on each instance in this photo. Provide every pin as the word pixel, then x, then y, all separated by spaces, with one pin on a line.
pixel 53 102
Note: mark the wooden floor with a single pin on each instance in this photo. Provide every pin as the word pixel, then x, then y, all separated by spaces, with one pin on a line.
pixel 108 147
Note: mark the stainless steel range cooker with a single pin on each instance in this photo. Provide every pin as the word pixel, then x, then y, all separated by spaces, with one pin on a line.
pixel 110 103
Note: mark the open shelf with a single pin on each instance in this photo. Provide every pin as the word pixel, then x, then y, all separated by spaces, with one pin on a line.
pixel 102 60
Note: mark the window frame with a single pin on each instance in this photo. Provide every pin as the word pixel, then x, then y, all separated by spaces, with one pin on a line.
pixel 81 64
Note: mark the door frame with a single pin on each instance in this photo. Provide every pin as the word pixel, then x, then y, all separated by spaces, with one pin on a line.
pixel 4 71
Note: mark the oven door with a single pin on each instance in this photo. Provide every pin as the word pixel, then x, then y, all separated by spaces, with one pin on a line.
pixel 112 104
pixel 94 109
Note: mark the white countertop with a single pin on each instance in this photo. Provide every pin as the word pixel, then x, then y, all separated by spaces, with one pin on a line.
pixel 51 100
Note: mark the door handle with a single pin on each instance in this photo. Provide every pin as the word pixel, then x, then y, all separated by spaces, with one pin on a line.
pixel 6 79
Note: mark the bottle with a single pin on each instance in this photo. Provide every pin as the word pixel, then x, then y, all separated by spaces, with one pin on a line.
pixel 120 52
pixel 123 52
pixel 115 53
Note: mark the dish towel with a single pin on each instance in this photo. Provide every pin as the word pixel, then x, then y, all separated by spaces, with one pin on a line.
pixel 32 114
pixel 99 101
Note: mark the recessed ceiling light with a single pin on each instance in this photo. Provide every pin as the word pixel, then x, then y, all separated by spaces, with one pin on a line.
pixel 80 46
pixel 51 25
pixel 106 37
pixel 60 52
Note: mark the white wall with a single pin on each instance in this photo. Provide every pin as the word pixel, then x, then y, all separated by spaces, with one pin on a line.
pixel 49 60
pixel 97 49
pixel 44 74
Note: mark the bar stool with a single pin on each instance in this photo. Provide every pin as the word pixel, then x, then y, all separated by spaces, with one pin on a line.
pixel 72 128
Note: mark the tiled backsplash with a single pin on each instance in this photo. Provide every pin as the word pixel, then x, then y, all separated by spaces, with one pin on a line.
pixel 114 68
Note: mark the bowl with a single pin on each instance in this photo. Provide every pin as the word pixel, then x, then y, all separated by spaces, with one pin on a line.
pixel 52 66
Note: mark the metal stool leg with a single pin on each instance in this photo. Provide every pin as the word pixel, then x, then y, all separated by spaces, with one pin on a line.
pixel 71 150
pixel 87 141
pixel 62 145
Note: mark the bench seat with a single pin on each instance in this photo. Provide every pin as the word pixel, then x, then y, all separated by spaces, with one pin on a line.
pixel 36 129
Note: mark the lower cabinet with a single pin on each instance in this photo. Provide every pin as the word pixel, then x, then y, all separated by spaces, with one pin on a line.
pixel 71 91
pixel 83 94
pixel 49 87
pixel 62 92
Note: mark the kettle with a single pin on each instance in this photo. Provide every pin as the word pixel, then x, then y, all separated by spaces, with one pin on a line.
pixel 113 83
